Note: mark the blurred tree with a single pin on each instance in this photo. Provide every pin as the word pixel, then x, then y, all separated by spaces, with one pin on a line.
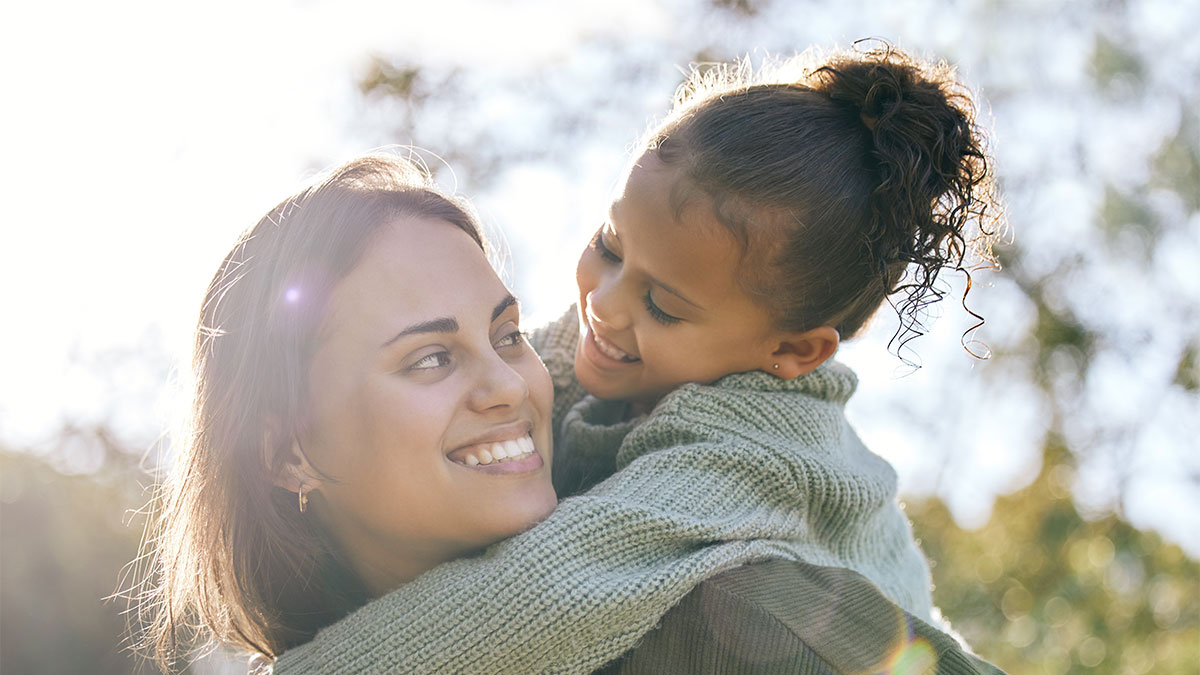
pixel 1039 589
pixel 63 542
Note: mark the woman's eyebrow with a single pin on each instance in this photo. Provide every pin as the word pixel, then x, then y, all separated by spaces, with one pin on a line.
pixel 447 324
pixel 442 325
pixel 508 301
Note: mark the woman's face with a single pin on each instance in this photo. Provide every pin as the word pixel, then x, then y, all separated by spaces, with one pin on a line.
pixel 421 380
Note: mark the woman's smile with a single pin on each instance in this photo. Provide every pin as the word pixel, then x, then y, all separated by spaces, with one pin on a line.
pixel 509 449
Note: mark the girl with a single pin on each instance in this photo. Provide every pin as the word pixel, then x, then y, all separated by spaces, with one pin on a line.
pixel 763 222
pixel 355 357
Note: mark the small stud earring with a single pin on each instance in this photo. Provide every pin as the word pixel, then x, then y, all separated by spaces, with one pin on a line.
pixel 303 500
pixel 776 366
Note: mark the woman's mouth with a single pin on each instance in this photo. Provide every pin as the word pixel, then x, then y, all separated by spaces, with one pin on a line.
pixel 516 452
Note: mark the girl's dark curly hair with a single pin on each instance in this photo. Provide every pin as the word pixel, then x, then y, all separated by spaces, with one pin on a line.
pixel 850 178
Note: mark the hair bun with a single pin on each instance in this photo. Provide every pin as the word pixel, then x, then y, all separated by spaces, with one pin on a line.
pixel 934 175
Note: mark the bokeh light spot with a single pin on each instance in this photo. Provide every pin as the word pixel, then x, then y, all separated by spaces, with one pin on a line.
pixel 1016 602
pixel 1100 550
pixel 1057 611
pixel 1021 632
pixel 1091 652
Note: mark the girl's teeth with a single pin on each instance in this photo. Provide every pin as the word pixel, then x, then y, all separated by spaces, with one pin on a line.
pixel 612 351
pixel 472 460
pixel 485 457
pixel 499 451
pixel 511 449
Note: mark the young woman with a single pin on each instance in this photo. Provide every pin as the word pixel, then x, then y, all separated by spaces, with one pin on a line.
pixel 365 407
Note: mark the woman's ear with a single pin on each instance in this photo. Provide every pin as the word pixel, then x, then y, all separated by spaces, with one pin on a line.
pixel 290 469
pixel 801 353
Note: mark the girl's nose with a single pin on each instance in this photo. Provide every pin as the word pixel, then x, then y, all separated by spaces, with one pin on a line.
pixel 498 385
pixel 607 307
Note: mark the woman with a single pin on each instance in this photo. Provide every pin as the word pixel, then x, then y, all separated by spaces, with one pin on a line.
pixel 365 407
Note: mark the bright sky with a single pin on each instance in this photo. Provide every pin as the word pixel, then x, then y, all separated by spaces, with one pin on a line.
pixel 140 137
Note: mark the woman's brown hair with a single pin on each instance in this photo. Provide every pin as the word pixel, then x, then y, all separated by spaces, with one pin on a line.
pixel 231 557
pixel 851 178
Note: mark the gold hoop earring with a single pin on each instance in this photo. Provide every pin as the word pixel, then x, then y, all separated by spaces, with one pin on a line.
pixel 303 500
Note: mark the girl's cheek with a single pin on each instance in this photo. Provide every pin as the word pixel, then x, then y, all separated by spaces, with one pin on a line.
pixel 586 273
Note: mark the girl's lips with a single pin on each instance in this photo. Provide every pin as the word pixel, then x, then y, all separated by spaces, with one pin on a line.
pixel 605 355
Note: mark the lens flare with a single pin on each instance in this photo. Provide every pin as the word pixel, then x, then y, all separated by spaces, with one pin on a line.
pixel 915 657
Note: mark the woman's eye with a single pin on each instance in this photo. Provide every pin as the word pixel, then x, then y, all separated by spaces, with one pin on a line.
pixel 435 360
pixel 605 252
pixel 657 314
pixel 513 339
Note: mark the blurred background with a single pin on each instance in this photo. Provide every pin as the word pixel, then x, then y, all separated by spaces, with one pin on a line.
pixel 1056 486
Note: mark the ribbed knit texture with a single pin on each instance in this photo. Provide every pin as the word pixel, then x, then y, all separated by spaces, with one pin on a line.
pixel 750 468
pixel 785 617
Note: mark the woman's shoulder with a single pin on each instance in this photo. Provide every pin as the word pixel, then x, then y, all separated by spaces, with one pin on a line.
pixel 784 617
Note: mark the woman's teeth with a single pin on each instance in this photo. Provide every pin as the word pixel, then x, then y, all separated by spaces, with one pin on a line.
pixel 612 351
pixel 503 451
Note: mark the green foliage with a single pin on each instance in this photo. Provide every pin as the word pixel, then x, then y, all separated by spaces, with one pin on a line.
pixel 1187 374
pixel 1114 65
pixel 1176 166
pixel 385 79
pixel 1039 589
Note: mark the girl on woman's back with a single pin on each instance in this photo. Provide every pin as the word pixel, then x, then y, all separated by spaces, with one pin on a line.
pixel 763 222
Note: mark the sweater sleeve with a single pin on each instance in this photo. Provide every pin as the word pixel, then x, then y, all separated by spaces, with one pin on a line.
pixel 789 617
pixel 555 343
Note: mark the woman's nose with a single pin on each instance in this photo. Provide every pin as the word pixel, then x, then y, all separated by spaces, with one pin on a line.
pixel 498 385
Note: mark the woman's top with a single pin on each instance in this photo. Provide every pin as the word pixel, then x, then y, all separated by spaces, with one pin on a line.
pixel 784 617
pixel 750 468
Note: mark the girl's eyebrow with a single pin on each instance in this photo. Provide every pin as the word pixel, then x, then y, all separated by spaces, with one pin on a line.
pixel 674 292
pixel 447 324
pixel 612 217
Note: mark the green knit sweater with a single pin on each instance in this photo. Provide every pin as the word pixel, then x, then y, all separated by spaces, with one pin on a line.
pixel 750 468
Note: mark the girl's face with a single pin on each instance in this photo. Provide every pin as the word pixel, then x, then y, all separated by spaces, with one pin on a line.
pixel 659 304
pixel 421 380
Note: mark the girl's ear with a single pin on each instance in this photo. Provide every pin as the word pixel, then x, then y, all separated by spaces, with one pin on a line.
pixel 801 353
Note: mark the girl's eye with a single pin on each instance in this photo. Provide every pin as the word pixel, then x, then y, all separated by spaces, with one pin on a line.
pixel 657 314
pixel 435 360
pixel 605 252
pixel 513 339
